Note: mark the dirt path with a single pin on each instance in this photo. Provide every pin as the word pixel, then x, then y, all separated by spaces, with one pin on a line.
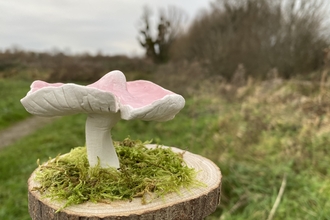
pixel 23 128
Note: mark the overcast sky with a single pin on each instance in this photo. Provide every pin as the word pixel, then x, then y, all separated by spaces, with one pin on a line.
pixel 77 26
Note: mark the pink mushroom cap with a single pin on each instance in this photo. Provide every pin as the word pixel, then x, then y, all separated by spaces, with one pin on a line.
pixel 139 99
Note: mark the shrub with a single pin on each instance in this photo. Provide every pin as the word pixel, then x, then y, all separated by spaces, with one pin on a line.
pixel 260 34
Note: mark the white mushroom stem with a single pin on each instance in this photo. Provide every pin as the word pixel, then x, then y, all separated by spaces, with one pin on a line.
pixel 98 139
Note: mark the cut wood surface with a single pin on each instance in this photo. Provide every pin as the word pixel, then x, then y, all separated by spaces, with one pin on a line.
pixel 194 203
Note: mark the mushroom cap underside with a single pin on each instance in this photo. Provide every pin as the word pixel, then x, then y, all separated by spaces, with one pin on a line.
pixel 69 99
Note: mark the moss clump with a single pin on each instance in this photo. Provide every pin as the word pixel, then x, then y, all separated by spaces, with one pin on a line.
pixel 146 173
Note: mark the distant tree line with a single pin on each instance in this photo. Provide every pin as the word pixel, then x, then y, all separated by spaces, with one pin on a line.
pixel 57 66
pixel 232 40
pixel 261 35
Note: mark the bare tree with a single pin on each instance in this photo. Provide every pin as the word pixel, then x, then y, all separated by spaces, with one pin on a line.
pixel 168 28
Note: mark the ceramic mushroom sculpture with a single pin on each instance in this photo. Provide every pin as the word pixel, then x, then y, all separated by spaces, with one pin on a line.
pixel 105 102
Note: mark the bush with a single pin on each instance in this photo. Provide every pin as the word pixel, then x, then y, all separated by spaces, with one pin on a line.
pixel 260 34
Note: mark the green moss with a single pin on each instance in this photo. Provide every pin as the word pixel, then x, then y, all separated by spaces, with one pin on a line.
pixel 145 173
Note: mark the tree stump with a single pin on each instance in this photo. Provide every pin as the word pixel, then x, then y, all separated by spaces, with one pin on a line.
pixel 195 203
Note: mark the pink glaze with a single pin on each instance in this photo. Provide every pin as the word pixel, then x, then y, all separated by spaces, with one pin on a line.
pixel 38 84
pixel 145 93
pixel 136 94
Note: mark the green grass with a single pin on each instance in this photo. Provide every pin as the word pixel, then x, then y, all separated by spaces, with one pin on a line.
pixel 261 135
pixel 11 110
pixel 19 160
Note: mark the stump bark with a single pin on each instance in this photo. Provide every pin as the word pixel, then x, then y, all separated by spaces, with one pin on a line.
pixel 190 204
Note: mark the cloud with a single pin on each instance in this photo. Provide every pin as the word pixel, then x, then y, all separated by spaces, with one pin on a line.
pixel 85 25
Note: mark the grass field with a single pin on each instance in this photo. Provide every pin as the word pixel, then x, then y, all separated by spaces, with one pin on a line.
pixel 260 135
pixel 11 110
